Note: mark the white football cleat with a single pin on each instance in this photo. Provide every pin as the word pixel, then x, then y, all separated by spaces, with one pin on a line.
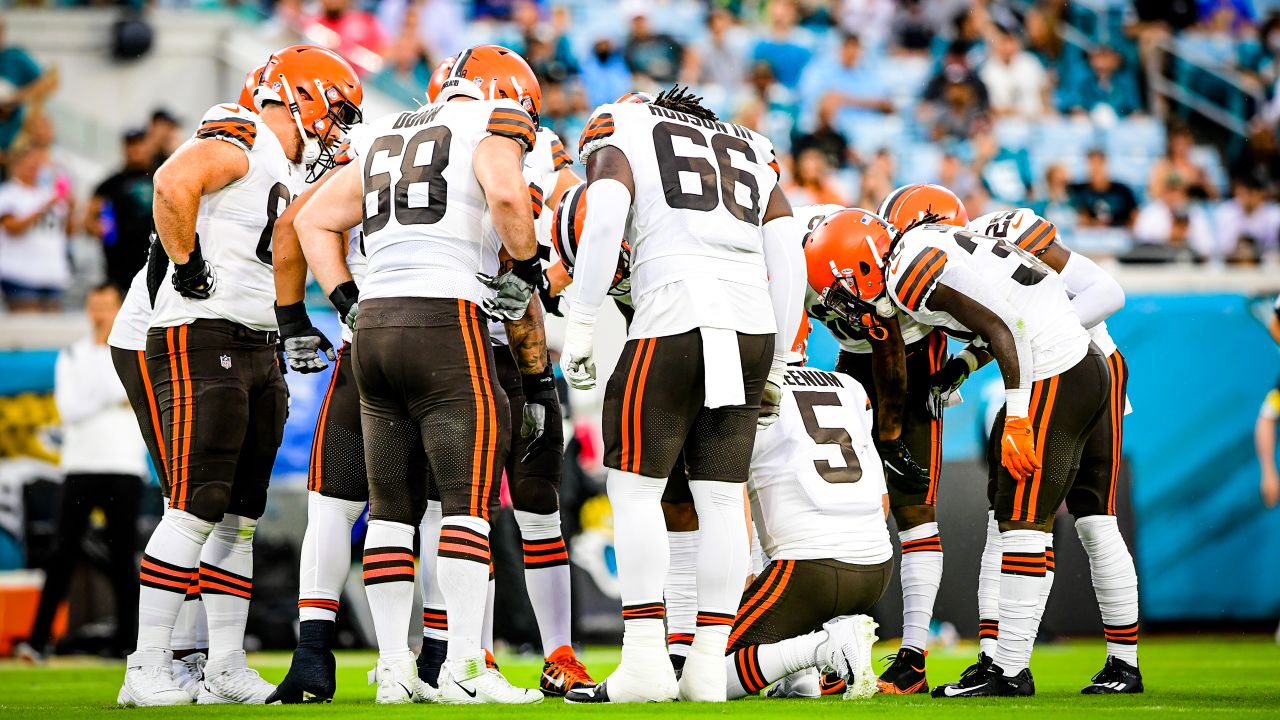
pixel 847 652
pixel 399 684
pixel 802 684
pixel 469 682
pixel 704 677
pixel 148 681
pixel 228 680
pixel 188 672
pixel 643 675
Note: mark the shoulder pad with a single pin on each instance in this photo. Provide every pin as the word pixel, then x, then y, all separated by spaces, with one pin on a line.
pixel 915 274
pixel 1021 227
pixel 510 120
pixel 231 123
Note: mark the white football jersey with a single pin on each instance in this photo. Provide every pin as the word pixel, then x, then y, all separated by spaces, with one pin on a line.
pixel 234 225
pixel 931 253
pixel 701 189
pixel 424 210
pixel 129 331
pixel 542 168
pixel 817 484
pixel 850 338
pixel 1024 228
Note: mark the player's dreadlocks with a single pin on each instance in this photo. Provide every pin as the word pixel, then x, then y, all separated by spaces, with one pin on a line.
pixel 929 217
pixel 680 99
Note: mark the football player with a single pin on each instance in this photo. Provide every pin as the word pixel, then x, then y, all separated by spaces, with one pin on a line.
pixel 423 359
pixel 128 342
pixel 1056 386
pixel 893 359
pixel 819 502
pixel 211 354
pixel 1095 296
pixel 534 464
pixel 707 211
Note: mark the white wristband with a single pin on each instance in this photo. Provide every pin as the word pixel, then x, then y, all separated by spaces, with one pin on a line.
pixel 969 359
pixel 1017 402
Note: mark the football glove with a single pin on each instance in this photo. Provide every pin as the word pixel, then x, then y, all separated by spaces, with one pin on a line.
pixel 346 300
pixel 945 382
pixel 514 288
pixel 540 398
pixel 1018 448
pixel 157 267
pixel 194 279
pixel 305 347
pixel 900 470
pixel 771 401
pixel 575 357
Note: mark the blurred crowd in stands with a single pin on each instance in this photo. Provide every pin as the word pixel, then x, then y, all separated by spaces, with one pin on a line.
pixel 1065 107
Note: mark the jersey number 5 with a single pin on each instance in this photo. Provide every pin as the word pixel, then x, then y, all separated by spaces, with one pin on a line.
pixel 671 165
pixel 411 173
pixel 852 470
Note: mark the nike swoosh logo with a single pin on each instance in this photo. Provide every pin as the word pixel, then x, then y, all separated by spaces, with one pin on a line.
pixel 917 669
pixel 555 682
pixel 1018 224
pixel 955 691
pixel 470 693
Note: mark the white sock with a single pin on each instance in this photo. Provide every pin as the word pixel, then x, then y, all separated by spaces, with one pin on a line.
pixel 1022 570
pixel 169 566
pixel 921 576
pixel 462 563
pixel 1048 577
pixel 723 560
pixel 640 545
pixel 989 589
pixel 388 583
pixel 1115 582
pixel 326 555
pixel 226 582
pixel 184 626
pixel 435 621
pixel 486 628
pixel 200 621
pixel 681 591
pixel 546 576
pixel 755 667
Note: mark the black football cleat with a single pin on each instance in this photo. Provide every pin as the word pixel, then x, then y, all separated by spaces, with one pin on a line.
pixel 976 669
pixel 1116 677
pixel 430 658
pixel 831 684
pixel 588 694
pixel 677 664
pixel 989 681
pixel 905 676
pixel 1020 685
pixel 313 672
pixel 312 678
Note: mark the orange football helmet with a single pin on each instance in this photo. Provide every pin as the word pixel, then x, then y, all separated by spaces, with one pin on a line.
pixel 844 256
pixel 323 93
pixel 635 97
pixel 250 82
pixel 910 203
pixel 566 232
pixel 490 72
pixel 438 76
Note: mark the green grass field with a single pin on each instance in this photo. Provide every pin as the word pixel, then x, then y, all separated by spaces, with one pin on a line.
pixel 1192 677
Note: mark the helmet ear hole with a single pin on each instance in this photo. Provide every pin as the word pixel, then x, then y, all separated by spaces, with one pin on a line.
pixel 864 268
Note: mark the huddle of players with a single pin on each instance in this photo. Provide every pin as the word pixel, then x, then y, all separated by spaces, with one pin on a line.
pixel 412 222
pixel 882 283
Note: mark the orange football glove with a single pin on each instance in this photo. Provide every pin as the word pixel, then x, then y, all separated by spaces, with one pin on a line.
pixel 1018 448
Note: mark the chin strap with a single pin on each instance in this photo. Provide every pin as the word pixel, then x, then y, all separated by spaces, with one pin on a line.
pixel 310 146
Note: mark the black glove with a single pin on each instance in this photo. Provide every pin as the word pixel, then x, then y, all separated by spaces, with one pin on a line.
pixel 346 300
pixel 540 398
pixel 944 382
pixel 550 303
pixel 303 342
pixel 900 470
pixel 157 267
pixel 514 288
pixel 194 278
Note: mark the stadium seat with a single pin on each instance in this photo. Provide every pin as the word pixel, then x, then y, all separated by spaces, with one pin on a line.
pixel 1135 135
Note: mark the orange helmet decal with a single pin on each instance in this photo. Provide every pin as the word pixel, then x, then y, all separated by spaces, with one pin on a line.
pixel 910 203
pixel 495 72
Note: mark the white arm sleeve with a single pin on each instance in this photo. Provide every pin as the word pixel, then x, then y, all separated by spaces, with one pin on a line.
pixel 608 203
pixel 968 283
pixel 784 258
pixel 1095 294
